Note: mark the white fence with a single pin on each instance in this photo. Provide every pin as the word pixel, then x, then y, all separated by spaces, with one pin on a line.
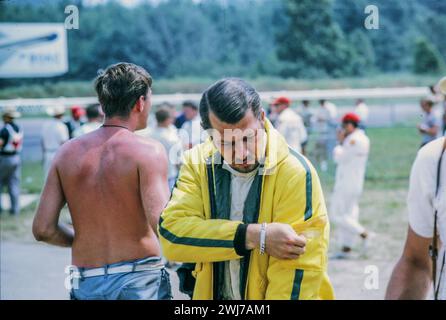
pixel 39 105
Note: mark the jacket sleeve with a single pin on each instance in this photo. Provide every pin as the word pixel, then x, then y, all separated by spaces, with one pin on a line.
pixel 301 204
pixel 185 233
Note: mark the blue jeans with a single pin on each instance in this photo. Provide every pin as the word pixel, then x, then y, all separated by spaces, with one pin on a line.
pixel 10 177
pixel 138 285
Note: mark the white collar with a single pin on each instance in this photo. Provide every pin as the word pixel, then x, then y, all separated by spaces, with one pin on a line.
pixel 239 174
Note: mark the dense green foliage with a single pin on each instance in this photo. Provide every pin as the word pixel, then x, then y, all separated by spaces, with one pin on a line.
pixel 249 38
pixel 427 59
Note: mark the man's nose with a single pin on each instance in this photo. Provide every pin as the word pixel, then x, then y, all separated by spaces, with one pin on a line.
pixel 241 151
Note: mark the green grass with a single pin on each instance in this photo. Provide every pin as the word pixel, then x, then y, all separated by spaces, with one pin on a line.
pixel 392 153
pixel 20 227
pixel 32 177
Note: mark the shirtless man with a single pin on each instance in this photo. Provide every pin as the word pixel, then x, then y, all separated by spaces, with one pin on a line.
pixel 115 185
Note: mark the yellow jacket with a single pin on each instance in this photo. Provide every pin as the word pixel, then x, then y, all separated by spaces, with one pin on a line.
pixel 194 227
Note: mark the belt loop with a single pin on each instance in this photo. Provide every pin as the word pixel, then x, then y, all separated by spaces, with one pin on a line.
pixel 106 270
pixel 133 266
pixel 81 274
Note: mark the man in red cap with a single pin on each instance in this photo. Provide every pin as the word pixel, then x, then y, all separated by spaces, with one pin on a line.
pixel 289 123
pixel 351 156
pixel 76 121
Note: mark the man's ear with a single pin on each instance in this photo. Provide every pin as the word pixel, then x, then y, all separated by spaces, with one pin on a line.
pixel 140 105
pixel 262 116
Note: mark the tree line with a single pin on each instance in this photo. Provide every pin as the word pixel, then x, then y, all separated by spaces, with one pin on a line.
pixel 249 38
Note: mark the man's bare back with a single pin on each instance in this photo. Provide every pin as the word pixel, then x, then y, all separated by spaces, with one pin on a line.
pixel 115 185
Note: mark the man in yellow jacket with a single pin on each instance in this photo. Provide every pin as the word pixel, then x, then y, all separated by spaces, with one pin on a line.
pixel 247 210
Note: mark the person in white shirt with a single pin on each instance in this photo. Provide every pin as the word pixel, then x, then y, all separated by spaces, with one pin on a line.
pixel 325 123
pixel 191 131
pixel 95 118
pixel 429 128
pixel 11 142
pixel 413 275
pixel 362 110
pixel 54 134
pixel 351 158
pixel 442 90
pixel 307 116
pixel 435 94
pixel 289 124
pixel 166 133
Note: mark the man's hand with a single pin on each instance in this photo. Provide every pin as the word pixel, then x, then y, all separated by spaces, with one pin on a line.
pixel 340 134
pixel 421 128
pixel 281 242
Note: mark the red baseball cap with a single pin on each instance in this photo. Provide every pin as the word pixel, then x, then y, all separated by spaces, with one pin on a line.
pixel 281 100
pixel 351 117
pixel 77 111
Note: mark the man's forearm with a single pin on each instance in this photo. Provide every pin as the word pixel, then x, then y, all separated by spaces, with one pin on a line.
pixel 433 131
pixel 252 236
pixel 62 236
pixel 408 282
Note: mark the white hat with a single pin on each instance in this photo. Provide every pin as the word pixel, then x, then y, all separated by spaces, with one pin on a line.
pixel 11 112
pixel 56 110
pixel 442 85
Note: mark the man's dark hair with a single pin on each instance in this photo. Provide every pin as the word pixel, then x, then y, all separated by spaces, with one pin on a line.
pixel 92 111
pixel 432 89
pixel 306 102
pixel 120 86
pixel 428 101
pixel 162 114
pixel 190 104
pixel 229 99
pixel 353 123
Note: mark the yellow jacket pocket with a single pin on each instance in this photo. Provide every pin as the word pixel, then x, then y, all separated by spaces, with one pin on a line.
pixel 315 231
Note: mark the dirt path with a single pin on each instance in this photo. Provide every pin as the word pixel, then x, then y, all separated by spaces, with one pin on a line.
pixel 36 271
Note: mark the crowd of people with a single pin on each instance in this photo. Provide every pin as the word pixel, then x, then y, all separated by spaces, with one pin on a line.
pixel 237 177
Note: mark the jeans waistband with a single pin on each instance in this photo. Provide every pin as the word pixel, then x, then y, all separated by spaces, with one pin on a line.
pixel 137 265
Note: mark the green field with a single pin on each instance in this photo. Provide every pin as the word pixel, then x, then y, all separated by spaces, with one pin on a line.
pixel 392 151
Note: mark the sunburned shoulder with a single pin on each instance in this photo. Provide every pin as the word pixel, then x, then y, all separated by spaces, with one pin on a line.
pixel 68 152
pixel 149 148
pixel 69 148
